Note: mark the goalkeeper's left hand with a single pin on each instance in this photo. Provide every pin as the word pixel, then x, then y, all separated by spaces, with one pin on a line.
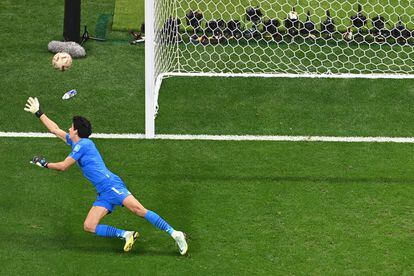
pixel 33 106
pixel 40 161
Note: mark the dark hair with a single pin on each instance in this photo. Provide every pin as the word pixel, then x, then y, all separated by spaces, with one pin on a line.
pixel 83 126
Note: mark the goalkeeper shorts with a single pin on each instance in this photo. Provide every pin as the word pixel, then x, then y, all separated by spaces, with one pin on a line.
pixel 112 197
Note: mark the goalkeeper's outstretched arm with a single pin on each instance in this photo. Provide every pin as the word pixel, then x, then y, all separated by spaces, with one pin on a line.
pixel 33 106
pixel 59 166
pixel 63 165
pixel 53 127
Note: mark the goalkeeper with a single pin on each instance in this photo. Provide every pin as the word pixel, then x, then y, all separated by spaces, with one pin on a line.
pixel 110 188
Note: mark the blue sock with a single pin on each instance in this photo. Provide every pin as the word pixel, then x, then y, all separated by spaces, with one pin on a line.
pixel 158 222
pixel 109 231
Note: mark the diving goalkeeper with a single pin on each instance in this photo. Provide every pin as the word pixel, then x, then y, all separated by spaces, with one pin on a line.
pixel 110 188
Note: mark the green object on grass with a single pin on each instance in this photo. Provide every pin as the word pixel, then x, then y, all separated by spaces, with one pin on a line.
pixel 102 25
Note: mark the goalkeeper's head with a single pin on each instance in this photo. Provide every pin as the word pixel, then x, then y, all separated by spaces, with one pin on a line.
pixel 82 126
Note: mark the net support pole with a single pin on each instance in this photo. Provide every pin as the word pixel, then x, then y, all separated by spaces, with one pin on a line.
pixel 149 69
pixel 71 22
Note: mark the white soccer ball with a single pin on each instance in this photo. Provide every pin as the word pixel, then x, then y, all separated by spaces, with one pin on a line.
pixel 62 61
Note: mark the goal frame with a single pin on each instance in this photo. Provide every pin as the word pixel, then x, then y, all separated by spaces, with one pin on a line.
pixel 153 80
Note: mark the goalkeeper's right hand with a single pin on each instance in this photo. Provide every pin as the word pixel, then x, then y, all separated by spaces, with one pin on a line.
pixel 33 106
pixel 39 161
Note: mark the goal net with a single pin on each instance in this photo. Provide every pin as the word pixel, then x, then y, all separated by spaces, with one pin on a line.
pixel 264 38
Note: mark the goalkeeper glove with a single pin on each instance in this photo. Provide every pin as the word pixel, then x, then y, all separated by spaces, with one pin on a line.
pixel 40 161
pixel 33 106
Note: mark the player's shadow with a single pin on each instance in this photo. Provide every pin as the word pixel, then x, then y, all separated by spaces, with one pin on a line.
pixel 105 247
pixel 79 242
pixel 86 242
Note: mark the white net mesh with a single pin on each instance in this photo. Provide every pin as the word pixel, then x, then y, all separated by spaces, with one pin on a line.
pixel 285 37
pixel 166 36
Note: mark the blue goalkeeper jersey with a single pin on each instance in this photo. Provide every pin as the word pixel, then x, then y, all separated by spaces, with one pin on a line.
pixel 92 165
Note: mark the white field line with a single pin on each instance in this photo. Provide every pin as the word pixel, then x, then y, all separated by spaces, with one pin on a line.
pixel 288 75
pixel 228 137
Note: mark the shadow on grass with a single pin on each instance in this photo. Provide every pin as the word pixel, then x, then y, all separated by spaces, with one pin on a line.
pixel 105 248
pixel 87 243
pixel 99 245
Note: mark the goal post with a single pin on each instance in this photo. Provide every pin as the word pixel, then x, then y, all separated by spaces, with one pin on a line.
pixel 284 38
pixel 161 53
pixel 149 69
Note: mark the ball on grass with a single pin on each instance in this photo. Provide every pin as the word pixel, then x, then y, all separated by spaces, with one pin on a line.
pixel 62 61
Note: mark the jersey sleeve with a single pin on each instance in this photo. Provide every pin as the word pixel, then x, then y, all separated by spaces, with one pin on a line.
pixel 77 152
pixel 68 141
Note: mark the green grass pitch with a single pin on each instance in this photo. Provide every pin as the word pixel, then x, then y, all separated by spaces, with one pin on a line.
pixel 248 207
pixel 307 208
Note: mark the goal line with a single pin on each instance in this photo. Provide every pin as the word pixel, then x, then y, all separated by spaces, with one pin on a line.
pixel 276 138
